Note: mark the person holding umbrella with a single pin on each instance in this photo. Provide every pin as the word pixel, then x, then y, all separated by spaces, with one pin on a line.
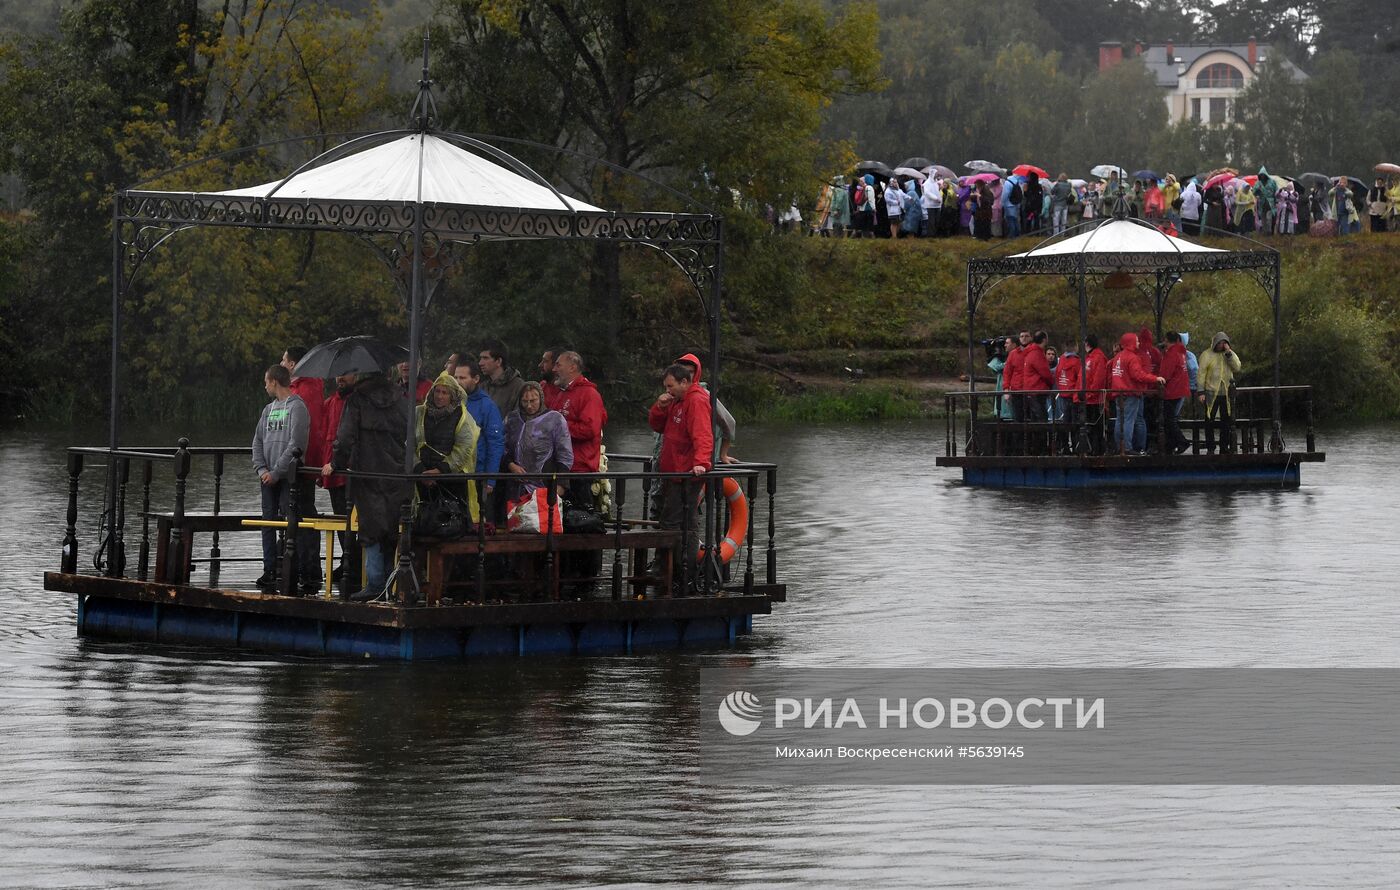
pixel 1378 203
pixel 1339 204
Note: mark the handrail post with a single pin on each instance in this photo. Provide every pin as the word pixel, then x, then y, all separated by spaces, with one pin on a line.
pixel 752 493
pixel 1312 441
pixel 69 563
pixel 119 519
pixel 772 485
pixel 214 552
pixel 481 547
pixel 550 558
pixel 1161 419
pixel 948 425
pixel 686 526
pixel 143 557
pixel 619 487
pixel 646 490
pixel 175 563
pixel 287 583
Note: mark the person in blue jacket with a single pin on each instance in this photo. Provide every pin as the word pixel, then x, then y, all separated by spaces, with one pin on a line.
pixel 1011 210
pixel 492 446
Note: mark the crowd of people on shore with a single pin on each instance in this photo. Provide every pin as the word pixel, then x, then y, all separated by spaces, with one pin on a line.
pixel 1117 396
pixel 479 415
pixel 990 205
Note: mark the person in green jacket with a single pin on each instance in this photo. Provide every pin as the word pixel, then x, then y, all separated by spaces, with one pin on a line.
pixel 1218 367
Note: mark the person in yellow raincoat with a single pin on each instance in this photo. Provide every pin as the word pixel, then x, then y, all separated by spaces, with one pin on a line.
pixel 1244 210
pixel 1218 367
pixel 447 437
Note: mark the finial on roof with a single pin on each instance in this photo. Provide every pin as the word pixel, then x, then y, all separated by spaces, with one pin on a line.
pixel 424 113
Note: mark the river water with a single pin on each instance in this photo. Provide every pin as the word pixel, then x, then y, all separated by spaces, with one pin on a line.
pixel 128 766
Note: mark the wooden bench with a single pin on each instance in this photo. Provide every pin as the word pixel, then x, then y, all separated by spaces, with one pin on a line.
pixel 637 542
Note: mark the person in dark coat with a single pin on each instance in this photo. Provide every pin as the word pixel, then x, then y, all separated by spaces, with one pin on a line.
pixel 370 439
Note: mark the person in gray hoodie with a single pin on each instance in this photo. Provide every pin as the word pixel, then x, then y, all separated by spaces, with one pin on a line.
pixel 282 433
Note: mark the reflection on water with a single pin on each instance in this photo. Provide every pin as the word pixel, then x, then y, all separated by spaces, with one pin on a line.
pixel 166 768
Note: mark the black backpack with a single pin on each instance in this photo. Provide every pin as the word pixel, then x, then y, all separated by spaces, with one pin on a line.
pixel 1015 193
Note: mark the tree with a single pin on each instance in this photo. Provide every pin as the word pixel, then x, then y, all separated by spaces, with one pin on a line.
pixel 1125 113
pixel 707 95
pixel 131 87
pixel 1266 115
pixel 1334 129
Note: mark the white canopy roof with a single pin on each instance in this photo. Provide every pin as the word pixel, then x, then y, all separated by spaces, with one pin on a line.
pixel 1120 236
pixel 390 173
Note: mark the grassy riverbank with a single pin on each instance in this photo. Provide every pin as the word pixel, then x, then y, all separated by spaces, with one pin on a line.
pixel 804 310
pixel 849 331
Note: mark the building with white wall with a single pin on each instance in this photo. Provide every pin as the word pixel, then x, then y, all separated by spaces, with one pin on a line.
pixel 1199 82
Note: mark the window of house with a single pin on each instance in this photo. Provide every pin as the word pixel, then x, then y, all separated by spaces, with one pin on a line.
pixel 1195 109
pixel 1218 110
pixel 1220 76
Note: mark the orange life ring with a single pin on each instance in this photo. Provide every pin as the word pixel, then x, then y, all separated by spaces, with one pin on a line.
pixel 738 522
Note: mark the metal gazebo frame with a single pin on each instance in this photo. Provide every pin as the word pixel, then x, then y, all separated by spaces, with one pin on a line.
pixel 413 238
pixel 1166 270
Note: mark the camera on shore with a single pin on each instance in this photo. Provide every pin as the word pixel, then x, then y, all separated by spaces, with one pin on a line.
pixel 995 347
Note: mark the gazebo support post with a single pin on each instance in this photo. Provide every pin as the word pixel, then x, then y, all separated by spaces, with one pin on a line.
pixel 112 567
pixel 1081 445
pixel 713 492
pixel 1276 438
pixel 971 366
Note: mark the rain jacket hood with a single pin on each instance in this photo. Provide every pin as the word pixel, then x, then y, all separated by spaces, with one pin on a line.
pixel 693 359
pixel 450 383
pixel 1220 337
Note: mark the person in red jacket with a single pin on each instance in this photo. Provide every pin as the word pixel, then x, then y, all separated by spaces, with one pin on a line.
pixel 1128 377
pixel 1151 358
pixel 553 396
pixel 1011 382
pixel 582 407
pixel 1035 376
pixel 681 415
pixel 1095 381
pixel 331 411
pixel 312 391
pixel 1067 406
pixel 1175 392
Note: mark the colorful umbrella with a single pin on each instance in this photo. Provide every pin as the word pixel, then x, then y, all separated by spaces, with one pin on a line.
pixel 1219 179
pixel 985 167
pixel 1103 171
pixel 1027 169
pixel 980 177
pixel 1387 168
pixel 1147 174
pixel 1252 179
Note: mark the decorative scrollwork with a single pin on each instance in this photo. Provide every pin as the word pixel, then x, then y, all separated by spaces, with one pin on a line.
pixel 446 221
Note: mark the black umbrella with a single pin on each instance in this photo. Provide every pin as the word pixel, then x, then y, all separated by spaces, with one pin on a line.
pixel 1147 174
pixel 349 355
pixel 1315 179
pixel 917 163
pixel 877 167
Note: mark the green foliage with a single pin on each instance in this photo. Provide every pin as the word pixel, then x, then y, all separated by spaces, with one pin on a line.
pixel 129 88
